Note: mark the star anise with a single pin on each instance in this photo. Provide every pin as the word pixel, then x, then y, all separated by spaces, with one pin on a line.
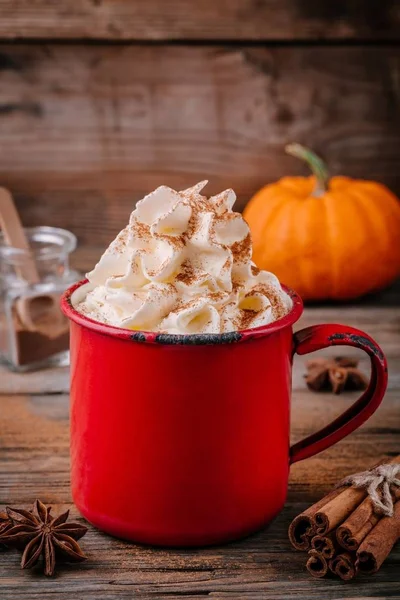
pixel 42 534
pixel 335 374
pixel 5 525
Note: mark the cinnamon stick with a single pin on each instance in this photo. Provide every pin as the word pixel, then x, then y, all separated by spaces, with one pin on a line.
pixel 377 545
pixel 325 544
pixel 302 529
pixel 317 565
pixel 338 509
pixel 357 526
pixel 343 565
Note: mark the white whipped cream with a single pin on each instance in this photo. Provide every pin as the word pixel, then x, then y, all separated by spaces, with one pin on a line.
pixel 183 265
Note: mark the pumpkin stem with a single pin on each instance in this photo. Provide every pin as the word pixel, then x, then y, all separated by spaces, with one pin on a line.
pixel 316 164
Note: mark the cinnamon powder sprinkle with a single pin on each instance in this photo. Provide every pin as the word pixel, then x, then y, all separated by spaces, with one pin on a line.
pixel 142 230
pixel 246 318
pixel 242 250
pixel 177 241
pixel 187 273
pixel 120 242
pixel 278 308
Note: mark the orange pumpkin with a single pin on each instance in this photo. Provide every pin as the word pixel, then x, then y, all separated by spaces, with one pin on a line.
pixel 335 238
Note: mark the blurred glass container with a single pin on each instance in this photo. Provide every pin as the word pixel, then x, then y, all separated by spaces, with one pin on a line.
pixel 33 331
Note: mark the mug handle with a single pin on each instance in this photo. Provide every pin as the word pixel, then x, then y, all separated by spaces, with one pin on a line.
pixel 317 337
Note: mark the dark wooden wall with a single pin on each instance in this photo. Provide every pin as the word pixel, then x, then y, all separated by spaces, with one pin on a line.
pixel 103 100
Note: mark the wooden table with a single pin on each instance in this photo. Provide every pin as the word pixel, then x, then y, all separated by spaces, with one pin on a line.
pixel 34 462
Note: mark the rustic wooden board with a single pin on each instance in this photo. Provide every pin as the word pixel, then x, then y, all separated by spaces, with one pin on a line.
pixel 95 128
pixel 208 19
pixel 34 462
pixel 49 381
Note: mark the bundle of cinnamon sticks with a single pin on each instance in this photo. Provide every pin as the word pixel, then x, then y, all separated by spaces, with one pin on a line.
pixel 345 534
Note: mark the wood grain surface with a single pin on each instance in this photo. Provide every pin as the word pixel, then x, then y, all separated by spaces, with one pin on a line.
pixel 204 19
pixel 88 130
pixel 103 100
pixel 34 462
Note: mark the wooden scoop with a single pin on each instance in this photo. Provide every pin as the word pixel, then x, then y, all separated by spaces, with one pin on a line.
pixel 29 309
pixel 14 235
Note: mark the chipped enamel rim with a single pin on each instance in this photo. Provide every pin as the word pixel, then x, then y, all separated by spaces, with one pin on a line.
pixel 194 339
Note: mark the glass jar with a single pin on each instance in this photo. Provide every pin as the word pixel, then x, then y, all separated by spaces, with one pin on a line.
pixel 33 331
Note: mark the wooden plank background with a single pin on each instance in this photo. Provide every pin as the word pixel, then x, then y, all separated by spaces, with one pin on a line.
pixel 94 128
pixel 94 113
pixel 200 19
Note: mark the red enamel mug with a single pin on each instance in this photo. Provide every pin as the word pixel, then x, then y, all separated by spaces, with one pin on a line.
pixel 184 440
